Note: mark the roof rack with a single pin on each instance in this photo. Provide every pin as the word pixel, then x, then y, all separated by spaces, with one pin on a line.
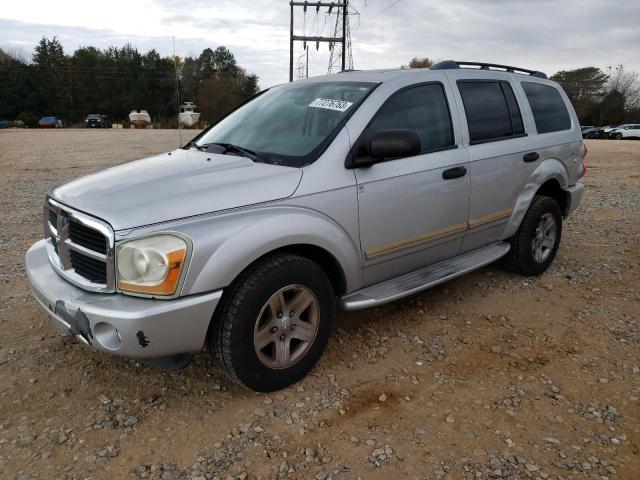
pixel 455 64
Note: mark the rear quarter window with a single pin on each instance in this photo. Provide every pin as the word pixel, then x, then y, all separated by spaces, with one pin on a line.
pixel 491 109
pixel 549 110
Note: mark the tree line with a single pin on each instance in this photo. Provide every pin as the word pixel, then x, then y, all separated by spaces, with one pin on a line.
pixel 600 97
pixel 116 80
pixel 610 97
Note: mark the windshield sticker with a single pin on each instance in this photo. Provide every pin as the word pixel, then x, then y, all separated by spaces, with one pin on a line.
pixel 330 104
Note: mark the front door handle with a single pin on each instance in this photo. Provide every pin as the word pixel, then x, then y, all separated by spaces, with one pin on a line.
pixel 531 157
pixel 455 172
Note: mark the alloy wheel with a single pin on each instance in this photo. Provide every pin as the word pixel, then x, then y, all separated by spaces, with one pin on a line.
pixel 544 238
pixel 286 326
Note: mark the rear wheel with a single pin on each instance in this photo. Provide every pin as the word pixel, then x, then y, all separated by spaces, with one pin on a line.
pixel 273 323
pixel 536 242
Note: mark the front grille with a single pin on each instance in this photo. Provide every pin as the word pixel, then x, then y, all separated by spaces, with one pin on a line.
pixel 93 270
pixel 87 237
pixel 81 247
pixel 53 221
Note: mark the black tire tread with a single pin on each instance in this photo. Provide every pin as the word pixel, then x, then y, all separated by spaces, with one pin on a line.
pixel 519 257
pixel 240 290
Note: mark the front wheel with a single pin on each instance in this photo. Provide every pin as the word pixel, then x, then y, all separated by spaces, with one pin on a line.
pixel 273 323
pixel 536 242
pixel 618 136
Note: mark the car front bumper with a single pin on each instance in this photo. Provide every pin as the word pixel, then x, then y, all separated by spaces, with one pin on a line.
pixel 116 323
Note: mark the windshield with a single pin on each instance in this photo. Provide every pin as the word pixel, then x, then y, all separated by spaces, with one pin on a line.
pixel 289 124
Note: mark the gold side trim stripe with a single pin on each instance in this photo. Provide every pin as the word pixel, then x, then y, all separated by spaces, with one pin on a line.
pixel 414 241
pixel 492 217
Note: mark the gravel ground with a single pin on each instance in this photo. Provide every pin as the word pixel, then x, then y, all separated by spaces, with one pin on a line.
pixel 491 375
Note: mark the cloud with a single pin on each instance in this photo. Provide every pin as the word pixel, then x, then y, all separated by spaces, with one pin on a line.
pixel 545 35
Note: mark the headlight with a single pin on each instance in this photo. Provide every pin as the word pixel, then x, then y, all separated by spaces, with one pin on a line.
pixel 151 265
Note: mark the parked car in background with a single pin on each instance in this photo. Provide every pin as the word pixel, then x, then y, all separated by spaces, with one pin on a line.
pixel 594 132
pixel 630 130
pixel 50 122
pixel 348 190
pixel 4 123
pixel 606 129
pixel 586 127
pixel 95 120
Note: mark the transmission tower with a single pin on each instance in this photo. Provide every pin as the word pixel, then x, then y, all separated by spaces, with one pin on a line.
pixel 344 56
pixel 340 35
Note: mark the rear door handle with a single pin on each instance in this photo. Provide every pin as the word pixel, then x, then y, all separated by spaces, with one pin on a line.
pixel 455 172
pixel 531 157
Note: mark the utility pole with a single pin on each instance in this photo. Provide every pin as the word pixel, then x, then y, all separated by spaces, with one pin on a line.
pixel 344 34
pixel 291 45
pixel 342 5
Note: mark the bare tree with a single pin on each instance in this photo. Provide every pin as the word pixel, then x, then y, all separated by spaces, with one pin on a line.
pixel 419 62
pixel 625 83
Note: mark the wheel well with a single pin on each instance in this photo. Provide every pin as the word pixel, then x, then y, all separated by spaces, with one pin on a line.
pixel 324 260
pixel 552 188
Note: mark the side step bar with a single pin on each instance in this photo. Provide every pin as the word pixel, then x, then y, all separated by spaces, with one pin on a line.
pixel 427 277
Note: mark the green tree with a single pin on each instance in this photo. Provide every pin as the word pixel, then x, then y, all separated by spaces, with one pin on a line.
pixel 52 73
pixel 585 89
pixel 116 80
pixel 224 61
pixel 17 88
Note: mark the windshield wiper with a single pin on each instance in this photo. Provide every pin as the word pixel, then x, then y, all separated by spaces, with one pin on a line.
pixel 230 147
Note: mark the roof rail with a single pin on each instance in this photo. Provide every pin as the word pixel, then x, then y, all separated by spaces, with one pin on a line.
pixel 454 64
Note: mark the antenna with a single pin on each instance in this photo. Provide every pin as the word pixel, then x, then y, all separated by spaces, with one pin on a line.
pixel 175 63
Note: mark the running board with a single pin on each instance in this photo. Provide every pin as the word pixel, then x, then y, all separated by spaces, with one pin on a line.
pixel 427 277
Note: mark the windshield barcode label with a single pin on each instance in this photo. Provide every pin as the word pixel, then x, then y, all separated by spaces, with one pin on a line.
pixel 329 104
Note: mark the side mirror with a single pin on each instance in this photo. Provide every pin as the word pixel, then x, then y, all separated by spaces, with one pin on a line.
pixel 394 143
pixel 384 145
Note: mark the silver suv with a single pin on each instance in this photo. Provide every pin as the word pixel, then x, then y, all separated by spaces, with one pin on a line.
pixel 354 190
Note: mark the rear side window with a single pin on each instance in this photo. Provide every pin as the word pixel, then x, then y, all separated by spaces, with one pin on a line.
pixel 548 108
pixel 491 109
pixel 423 109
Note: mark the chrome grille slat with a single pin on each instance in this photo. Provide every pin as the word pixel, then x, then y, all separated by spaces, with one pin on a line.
pixel 87 237
pixel 80 248
pixel 90 268
pixel 85 251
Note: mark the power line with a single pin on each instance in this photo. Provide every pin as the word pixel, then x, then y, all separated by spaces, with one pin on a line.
pixel 385 9
pixel 388 7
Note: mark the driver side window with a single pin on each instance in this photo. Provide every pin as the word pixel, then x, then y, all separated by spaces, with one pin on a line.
pixel 423 109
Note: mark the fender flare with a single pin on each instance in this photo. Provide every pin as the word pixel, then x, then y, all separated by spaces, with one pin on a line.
pixel 549 169
pixel 266 230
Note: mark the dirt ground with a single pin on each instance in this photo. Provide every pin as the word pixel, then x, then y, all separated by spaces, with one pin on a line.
pixel 491 375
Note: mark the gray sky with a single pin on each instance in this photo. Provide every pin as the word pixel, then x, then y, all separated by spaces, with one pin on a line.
pixel 545 35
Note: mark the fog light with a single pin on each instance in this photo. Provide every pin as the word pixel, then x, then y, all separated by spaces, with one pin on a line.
pixel 107 335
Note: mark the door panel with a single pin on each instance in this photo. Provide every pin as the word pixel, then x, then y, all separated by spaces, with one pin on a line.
pixel 409 215
pixel 496 140
pixel 497 178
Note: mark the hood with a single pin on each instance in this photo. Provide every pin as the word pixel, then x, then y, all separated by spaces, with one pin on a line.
pixel 181 184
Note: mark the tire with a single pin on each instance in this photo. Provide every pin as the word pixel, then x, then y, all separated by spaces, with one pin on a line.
pixel 524 258
pixel 618 136
pixel 249 316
